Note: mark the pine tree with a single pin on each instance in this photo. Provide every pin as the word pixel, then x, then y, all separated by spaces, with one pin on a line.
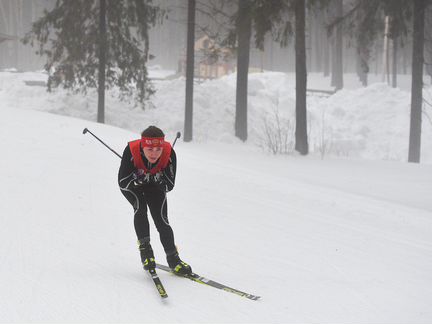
pixel 276 17
pixel 69 37
pixel 367 17
pixel 271 17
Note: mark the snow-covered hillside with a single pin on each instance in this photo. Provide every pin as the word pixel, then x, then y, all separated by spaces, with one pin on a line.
pixel 368 123
pixel 338 240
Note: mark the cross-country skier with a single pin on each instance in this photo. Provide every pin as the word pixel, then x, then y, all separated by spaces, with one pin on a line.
pixel 147 172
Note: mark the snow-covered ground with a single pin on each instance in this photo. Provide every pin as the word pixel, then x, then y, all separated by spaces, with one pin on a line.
pixel 336 240
pixel 367 123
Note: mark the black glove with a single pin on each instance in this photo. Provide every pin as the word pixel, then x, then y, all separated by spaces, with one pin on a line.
pixel 140 178
pixel 159 181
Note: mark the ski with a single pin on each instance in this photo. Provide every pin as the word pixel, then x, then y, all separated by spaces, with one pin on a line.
pixel 208 282
pixel 160 288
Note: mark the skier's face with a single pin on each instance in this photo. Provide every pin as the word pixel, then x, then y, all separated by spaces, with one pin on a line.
pixel 152 153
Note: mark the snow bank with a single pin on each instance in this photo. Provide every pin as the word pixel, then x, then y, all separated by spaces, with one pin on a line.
pixel 368 123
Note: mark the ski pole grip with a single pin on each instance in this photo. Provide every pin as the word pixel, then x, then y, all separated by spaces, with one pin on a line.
pixel 177 137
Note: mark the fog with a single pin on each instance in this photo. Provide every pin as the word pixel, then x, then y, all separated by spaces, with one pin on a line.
pixel 168 40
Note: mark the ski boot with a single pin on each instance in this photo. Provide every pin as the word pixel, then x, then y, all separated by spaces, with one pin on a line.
pixel 177 265
pixel 147 256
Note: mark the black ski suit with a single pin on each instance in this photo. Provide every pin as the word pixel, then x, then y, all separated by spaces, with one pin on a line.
pixel 151 193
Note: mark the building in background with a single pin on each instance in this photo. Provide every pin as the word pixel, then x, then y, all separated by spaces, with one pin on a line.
pixel 211 60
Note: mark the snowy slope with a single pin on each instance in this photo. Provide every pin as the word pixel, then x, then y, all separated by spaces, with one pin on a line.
pixel 321 241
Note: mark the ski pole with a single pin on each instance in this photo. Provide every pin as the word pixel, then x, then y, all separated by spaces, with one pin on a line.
pixel 175 140
pixel 85 130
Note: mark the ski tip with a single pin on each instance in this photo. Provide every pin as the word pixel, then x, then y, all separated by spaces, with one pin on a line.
pixel 252 297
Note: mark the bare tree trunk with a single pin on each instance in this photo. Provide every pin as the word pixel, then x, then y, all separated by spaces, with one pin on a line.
pixel 362 66
pixel 244 30
pixel 301 144
pixel 26 26
pixel 338 69
pixel 377 49
pixel 428 42
pixel 326 56
pixel 405 60
pixel 417 82
pixel 394 63
pixel 326 39
pixel 318 26
pixel 190 58
pixel 13 23
pixel 308 36
pixel 16 21
pixel 271 53
pixel 4 25
pixel 385 58
pixel 102 62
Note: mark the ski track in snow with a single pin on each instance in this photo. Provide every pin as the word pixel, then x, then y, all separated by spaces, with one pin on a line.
pixel 316 248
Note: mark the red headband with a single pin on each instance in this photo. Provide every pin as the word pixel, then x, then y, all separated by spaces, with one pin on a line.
pixel 152 141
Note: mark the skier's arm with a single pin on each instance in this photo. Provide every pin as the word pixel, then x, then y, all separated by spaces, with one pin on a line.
pixel 168 174
pixel 170 171
pixel 126 170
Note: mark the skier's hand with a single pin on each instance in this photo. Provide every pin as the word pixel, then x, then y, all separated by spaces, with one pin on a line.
pixel 160 182
pixel 140 178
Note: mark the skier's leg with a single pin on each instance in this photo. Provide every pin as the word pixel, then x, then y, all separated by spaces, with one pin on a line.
pixel 157 203
pixel 139 204
pixel 142 228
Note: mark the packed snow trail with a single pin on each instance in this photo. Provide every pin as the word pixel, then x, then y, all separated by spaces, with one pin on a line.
pixel 320 241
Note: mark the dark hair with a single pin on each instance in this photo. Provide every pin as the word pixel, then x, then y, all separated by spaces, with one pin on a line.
pixel 152 131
